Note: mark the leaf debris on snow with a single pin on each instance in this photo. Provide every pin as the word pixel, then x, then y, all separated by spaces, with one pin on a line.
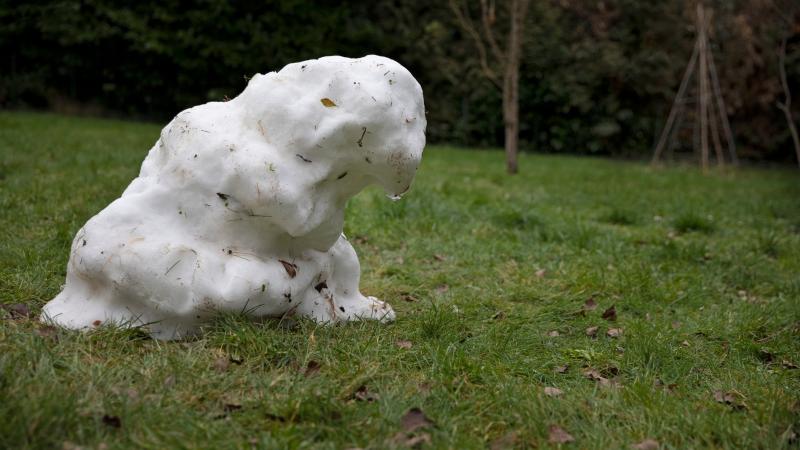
pixel 290 268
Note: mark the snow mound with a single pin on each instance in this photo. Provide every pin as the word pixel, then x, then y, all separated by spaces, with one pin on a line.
pixel 239 206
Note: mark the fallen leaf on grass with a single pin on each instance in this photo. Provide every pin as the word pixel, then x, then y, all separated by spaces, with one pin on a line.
pixel 499 315
pixel 557 435
pixel 730 398
pixel 592 331
pixel 408 298
pixel 669 388
pixel 414 419
pixel 509 440
pixel 647 444
pixel 562 369
pixel 442 288
pixel 765 356
pixel 312 368
pixel 169 381
pixel 614 332
pixel 600 379
pixel 363 394
pixel 552 391
pixel 610 314
pixel 554 333
pixel 17 310
pixel 541 273
pixel 788 364
pixel 47 331
pixel 221 364
pixel 404 344
pixel 411 440
pixel 112 421
pixel 439 257
pixel 230 407
pixel 590 305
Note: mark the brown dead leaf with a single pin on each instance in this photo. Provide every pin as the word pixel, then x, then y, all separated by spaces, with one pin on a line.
pixel 404 344
pixel 730 398
pixel 614 332
pixel 408 298
pixel 439 257
pixel 557 435
pixel 169 381
pixel 499 315
pixel 610 314
pixel 562 369
pixel 553 333
pixel 363 394
pixel 47 331
pixel 290 268
pixel 676 325
pixel 600 379
pixel 414 419
pixel 592 331
pixel 590 305
pixel 230 407
pixel 442 288
pixel 312 368
pixel 553 391
pixel 685 344
pixel 112 421
pixel 327 102
pixel 17 310
pixel 221 364
pixel 647 444
pixel 789 365
pixel 669 388
pixel 411 440
pixel 540 273
pixel 508 440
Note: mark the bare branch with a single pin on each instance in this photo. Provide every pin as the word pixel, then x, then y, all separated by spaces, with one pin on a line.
pixel 466 24
pixel 786 105
pixel 488 17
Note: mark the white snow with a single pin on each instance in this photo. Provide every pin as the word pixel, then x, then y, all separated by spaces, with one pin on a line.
pixel 239 206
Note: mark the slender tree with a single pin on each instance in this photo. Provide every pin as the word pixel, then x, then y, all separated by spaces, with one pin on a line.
pixel 499 65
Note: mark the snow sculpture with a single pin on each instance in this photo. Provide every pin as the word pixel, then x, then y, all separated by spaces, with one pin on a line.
pixel 239 206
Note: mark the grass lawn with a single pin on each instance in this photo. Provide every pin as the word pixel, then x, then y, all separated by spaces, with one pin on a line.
pixel 490 277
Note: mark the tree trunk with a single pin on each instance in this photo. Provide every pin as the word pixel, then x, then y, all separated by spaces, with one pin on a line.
pixel 511 84
pixel 511 119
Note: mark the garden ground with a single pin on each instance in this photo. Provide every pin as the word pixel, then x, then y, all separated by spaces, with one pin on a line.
pixel 692 281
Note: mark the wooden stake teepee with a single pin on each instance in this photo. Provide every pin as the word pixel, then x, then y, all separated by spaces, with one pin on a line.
pixel 711 110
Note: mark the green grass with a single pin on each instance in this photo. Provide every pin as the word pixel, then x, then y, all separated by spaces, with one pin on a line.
pixel 703 271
